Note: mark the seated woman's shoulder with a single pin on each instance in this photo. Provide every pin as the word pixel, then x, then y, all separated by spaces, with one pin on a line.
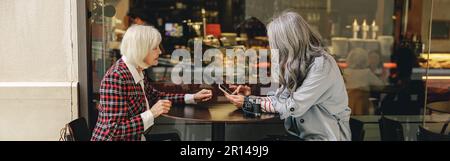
pixel 117 71
pixel 322 62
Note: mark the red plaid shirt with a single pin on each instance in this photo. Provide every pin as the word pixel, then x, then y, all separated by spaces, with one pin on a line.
pixel 121 103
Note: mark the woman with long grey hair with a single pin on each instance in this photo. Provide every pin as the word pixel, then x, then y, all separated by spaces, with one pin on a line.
pixel 312 98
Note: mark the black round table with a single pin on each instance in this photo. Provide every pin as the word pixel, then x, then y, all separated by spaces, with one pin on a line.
pixel 218 114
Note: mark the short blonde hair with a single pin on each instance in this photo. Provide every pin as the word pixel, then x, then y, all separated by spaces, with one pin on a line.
pixel 137 42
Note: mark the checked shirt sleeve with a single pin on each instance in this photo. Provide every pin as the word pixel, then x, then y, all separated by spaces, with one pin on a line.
pixel 156 95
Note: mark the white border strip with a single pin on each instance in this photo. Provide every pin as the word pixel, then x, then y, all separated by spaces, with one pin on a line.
pixel 36 84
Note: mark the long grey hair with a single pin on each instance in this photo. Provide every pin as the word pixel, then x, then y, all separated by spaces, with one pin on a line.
pixel 297 44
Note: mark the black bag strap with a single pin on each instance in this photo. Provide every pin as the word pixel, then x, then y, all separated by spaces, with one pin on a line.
pixel 444 128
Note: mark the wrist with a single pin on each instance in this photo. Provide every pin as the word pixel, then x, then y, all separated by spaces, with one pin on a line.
pixel 153 113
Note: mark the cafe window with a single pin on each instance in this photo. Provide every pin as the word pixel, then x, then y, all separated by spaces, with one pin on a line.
pixel 391 64
pixel 437 75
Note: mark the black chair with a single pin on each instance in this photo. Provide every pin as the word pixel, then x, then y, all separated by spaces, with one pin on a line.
pixel 425 135
pixel 79 130
pixel 357 128
pixel 390 130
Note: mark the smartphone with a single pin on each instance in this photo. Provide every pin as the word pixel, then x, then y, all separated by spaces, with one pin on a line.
pixel 224 89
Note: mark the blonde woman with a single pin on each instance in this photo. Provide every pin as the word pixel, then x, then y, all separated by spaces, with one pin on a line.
pixel 128 102
pixel 312 99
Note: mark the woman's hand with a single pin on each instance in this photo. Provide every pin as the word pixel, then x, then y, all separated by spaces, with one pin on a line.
pixel 236 100
pixel 203 96
pixel 161 107
pixel 241 89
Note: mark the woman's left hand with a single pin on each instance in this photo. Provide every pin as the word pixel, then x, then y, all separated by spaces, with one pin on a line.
pixel 241 89
pixel 236 100
pixel 203 96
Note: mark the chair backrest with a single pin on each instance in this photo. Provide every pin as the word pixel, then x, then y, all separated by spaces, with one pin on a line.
pixel 425 135
pixel 79 130
pixel 390 130
pixel 357 128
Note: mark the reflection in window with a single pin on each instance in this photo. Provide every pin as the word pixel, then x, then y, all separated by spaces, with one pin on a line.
pixel 381 46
